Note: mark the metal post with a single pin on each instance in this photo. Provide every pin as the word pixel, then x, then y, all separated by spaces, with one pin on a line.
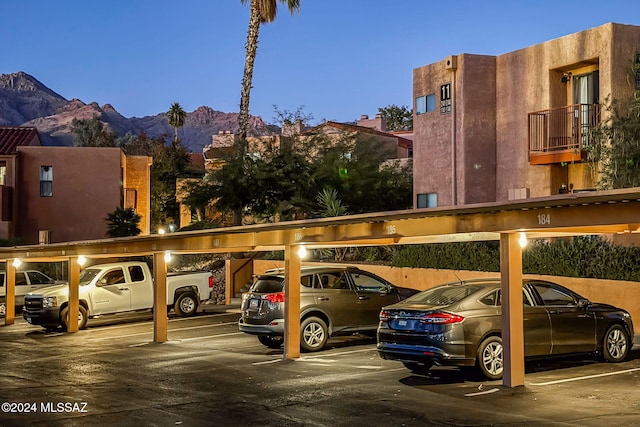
pixel 74 294
pixel 512 313
pixel 160 321
pixel 291 302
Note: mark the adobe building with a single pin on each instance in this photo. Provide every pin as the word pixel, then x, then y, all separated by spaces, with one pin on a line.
pixel 60 194
pixel 512 126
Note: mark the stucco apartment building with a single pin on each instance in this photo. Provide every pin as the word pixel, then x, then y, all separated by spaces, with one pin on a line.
pixel 498 128
pixel 58 194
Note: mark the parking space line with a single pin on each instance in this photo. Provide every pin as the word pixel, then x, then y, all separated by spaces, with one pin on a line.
pixel 587 377
pixel 316 358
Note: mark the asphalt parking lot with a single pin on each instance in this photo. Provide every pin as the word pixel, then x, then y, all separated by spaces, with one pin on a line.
pixel 209 373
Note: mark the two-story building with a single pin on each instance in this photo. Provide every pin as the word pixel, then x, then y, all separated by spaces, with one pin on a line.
pixel 58 194
pixel 496 128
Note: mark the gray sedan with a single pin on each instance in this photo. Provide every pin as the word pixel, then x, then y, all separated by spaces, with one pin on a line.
pixel 459 324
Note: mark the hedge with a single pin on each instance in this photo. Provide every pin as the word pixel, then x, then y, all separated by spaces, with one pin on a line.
pixel 584 256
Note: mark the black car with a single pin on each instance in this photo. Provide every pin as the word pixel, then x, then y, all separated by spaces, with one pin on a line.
pixel 459 324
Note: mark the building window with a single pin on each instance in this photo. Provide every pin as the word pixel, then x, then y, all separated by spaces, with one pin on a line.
pixel 46 181
pixel 130 198
pixel 3 173
pixel 426 104
pixel 427 200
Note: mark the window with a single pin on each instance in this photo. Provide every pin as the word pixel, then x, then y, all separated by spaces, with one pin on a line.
pixel 367 283
pixel 427 200
pixel 554 296
pixel 3 173
pixel 113 277
pixel 426 104
pixel 136 273
pixel 38 278
pixel 46 181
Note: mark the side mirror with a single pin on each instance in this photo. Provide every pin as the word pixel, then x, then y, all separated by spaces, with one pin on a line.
pixel 583 302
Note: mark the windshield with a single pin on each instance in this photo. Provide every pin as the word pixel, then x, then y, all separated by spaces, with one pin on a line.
pixel 443 295
pixel 86 276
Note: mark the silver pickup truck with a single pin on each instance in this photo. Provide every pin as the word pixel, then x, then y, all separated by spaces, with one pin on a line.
pixel 116 288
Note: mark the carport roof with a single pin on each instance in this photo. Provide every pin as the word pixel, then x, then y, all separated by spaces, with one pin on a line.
pixel 606 212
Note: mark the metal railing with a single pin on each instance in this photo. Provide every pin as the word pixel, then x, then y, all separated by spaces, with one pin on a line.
pixel 564 128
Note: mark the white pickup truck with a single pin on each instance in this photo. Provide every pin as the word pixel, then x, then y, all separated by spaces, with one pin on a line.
pixel 116 288
pixel 26 281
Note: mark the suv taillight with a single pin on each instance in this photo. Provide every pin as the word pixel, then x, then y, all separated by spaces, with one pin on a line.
pixel 277 297
pixel 384 316
pixel 441 318
pixel 211 281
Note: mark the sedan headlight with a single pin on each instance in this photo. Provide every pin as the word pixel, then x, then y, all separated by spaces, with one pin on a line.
pixel 49 302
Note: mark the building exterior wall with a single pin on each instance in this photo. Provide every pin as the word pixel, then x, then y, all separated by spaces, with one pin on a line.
pixel 87 184
pixel 137 177
pixel 492 98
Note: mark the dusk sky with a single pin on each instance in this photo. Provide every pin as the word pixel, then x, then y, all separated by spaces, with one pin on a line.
pixel 338 59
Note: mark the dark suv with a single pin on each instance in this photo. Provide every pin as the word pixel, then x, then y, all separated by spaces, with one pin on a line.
pixel 333 301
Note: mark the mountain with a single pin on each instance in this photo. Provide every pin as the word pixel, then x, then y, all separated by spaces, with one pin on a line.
pixel 24 101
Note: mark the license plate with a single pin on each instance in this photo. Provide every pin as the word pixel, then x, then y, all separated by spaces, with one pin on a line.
pixel 402 322
pixel 254 303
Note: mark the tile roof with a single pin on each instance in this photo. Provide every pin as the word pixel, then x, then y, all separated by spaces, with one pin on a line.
pixel 12 137
pixel 403 142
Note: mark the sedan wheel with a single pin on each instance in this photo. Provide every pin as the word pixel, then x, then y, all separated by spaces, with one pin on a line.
pixel 616 344
pixel 489 358
pixel 313 334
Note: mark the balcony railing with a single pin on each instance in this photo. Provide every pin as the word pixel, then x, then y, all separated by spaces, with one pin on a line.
pixel 561 134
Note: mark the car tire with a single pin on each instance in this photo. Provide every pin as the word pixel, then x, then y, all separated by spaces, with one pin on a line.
pixel 3 309
pixel 271 341
pixel 418 368
pixel 82 318
pixel 615 344
pixel 313 334
pixel 186 305
pixel 489 358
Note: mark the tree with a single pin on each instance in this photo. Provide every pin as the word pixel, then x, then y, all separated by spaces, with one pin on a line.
pixel 261 12
pixel 123 222
pixel 615 143
pixel 91 133
pixel 176 117
pixel 397 118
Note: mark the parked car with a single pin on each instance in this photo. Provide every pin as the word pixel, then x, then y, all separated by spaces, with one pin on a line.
pixel 115 288
pixel 26 281
pixel 459 324
pixel 333 301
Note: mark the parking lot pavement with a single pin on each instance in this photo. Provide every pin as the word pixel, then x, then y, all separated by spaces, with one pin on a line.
pixel 209 373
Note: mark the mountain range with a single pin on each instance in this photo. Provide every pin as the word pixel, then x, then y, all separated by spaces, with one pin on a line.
pixel 24 101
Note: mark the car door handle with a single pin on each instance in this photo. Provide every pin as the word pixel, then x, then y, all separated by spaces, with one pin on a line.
pixel 123 289
pixel 323 299
pixel 361 297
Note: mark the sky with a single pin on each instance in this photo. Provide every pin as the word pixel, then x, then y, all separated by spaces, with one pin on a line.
pixel 334 60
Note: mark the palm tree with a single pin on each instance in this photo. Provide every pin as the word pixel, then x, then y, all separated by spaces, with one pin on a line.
pixel 176 117
pixel 262 11
pixel 123 222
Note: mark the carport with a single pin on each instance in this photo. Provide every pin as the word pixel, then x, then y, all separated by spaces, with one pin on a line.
pixel 616 211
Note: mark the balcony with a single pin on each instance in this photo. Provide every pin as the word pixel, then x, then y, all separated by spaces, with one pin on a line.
pixel 561 134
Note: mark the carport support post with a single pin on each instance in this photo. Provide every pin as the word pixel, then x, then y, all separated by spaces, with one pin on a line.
pixel 10 297
pixel 291 302
pixel 159 297
pixel 512 317
pixel 74 295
